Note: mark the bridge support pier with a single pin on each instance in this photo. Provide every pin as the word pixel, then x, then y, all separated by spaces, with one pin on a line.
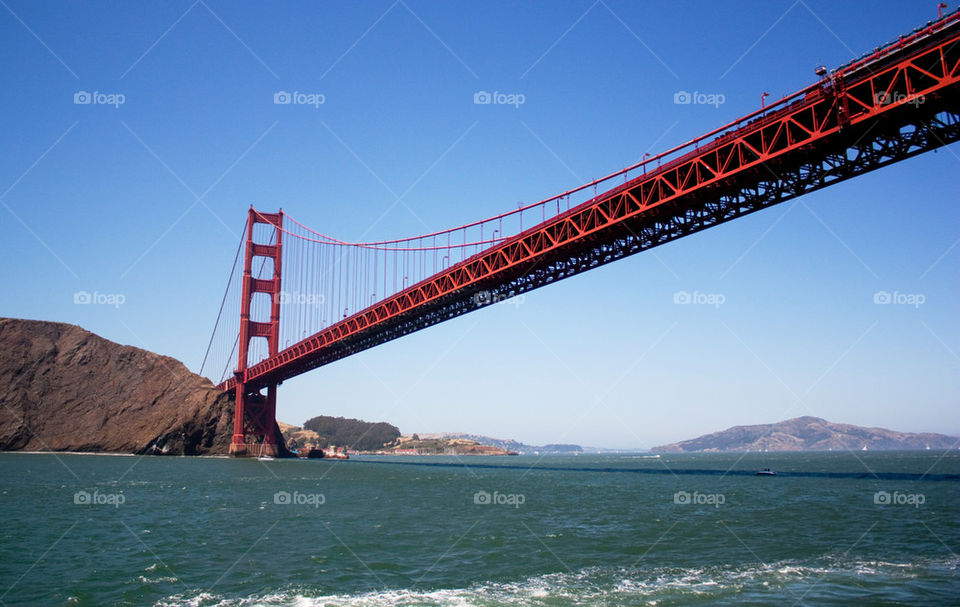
pixel 255 429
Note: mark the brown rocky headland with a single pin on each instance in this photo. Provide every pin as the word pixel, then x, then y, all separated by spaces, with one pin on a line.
pixel 63 388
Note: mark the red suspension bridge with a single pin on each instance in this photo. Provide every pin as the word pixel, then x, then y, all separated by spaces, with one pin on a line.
pixel 298 299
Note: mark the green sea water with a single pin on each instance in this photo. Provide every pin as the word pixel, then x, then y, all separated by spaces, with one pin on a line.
pixel 829 529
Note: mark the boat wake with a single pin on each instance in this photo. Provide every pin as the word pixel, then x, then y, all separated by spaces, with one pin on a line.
pixel 830 580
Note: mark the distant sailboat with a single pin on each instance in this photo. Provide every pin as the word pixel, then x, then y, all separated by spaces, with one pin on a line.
pixel 262 457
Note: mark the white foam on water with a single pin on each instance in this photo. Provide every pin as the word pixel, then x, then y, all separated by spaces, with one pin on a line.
pixel 596 586
pixel 164 578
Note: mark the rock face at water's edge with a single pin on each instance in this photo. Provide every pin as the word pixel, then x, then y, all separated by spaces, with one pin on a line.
pixel 65 389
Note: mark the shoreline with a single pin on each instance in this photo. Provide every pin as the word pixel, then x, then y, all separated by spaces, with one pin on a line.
pixel 646 454
pixel 109 453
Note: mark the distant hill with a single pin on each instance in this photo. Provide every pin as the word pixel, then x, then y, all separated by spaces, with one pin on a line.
pixel 358 435
pixel 809 434
pixel 507 444
pixel 414 444
pixel 353 433
pixel 297 437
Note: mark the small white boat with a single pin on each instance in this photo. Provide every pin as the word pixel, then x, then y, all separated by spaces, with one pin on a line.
pixel 262 457
pixel 766 472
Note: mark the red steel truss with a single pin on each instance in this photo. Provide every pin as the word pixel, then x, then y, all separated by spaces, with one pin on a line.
pixel 902 100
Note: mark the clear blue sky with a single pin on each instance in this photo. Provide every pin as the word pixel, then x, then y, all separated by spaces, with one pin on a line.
pixel 147 199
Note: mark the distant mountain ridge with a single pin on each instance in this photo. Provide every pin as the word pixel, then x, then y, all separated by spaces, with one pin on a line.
pixel 809 434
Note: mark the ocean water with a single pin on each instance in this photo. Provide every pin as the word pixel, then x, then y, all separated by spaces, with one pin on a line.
pixel 829 529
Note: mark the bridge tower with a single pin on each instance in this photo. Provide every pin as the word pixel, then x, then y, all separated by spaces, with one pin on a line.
pixel 255 429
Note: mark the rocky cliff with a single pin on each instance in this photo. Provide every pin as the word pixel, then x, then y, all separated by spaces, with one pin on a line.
pixel 65 389
pixel 809 434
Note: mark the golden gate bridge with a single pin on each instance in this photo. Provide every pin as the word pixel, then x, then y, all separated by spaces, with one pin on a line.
pixel 298 299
